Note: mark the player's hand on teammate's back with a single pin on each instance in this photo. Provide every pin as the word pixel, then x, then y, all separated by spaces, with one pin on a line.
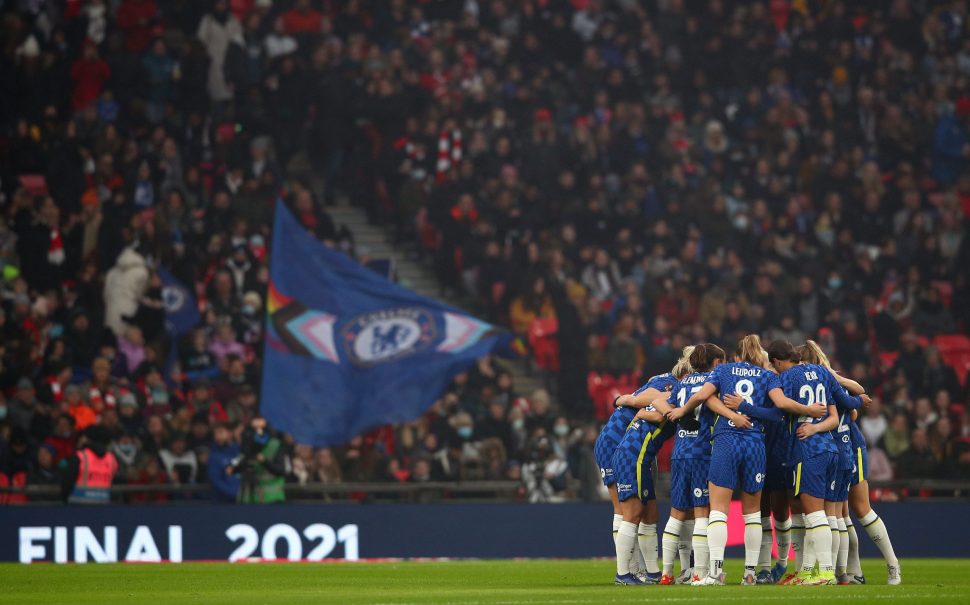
pixel 806 430
pixel 676 414
pixel 733 401
pixel 741 421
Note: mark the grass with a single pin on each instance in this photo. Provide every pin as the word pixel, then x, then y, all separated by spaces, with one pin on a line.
pixel 458 582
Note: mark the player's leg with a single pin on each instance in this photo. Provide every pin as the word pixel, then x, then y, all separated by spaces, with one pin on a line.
pixel 853 567
pixel 832 511
pixel 671 541
pixel 702 553
pixel 700 499
pixel 783 529
pixel 679 503
pixel 875 528
pixel 817 472
pixel 684 547
pixel 797 530
pixel 752 482
pixel 764 556
pixel 647 529
pixel 722 479
pixel 627 489
pixel 717 531
pixel 626 537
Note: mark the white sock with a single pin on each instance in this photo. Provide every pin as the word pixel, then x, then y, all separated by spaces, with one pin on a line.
pixel 626 543
pixel 820 545
pixel 853 565
pixel 702 553
pixel 671 544
pixel 683 547
pixel 617 519
pixel 836 537
pixel 843 556
pixel 717 541
pixel 798 539
pixel 752 540
pixel 783 536
pixel 647 538
pixel 764 557
pixel 880 537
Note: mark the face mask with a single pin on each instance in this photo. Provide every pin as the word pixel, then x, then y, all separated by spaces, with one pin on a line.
pixel 518 424
pixel 3 413
pixel 465 432
pixel 835 283
pixel 159 396
pixel 127 450
pixel 561 430
pixel 248 310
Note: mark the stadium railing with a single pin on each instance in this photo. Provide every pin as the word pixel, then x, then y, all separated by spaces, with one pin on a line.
pixel 436 491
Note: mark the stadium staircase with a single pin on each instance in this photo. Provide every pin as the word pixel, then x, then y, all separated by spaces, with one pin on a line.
pixel 374 242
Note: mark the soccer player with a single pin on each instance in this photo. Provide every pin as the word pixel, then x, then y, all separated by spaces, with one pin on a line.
pixel 738 449
pixel 814 457
pixel 859 491
pixel 634 483
pixel 689 464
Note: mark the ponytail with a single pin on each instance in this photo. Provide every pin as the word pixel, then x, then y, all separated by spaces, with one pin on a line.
pixel 812 353
pixel 683 366
pixel 784 351
pixel 704 356
pixel 750 350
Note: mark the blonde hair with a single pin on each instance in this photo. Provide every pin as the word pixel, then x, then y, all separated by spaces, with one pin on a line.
pixel 682 367
pixel 750 350
pixel 812 353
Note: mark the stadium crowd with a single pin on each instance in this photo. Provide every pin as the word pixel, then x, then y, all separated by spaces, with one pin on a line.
pixel 613 180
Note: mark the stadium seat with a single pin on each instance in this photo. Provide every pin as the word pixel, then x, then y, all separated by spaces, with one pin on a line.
pixel 952 343
pixel 887 359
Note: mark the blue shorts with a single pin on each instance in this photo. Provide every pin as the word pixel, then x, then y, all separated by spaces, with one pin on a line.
pixel 688 483
pixel 776 478
pixel 860 471
pixel 816 476
pixel 603 451
pixel 633 478
pixel 840 491
pixel 734 455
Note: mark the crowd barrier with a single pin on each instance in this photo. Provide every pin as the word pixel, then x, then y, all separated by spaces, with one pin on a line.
pixel 210 532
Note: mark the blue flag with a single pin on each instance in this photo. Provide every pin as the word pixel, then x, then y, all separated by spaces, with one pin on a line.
pixel 181 310
pixel 347 350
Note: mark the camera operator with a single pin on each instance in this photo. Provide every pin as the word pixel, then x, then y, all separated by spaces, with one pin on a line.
pixel 545 474
pixel 262 464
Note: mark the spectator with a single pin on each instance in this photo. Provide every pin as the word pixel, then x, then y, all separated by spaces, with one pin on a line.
pixel 223 455
pixel 264 465
pixel 918 461
pixel 897 437
pixel 180 463
pixel 874 423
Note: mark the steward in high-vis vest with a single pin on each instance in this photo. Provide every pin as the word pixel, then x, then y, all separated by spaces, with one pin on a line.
pixel 262 465
pixel 86 478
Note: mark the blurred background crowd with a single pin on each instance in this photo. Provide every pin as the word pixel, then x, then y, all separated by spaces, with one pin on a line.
pixel 611 179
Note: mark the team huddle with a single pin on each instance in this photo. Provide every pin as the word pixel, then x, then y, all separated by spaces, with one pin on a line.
pixel 779 426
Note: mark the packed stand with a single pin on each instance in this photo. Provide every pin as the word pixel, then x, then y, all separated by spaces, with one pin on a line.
pixel 612 180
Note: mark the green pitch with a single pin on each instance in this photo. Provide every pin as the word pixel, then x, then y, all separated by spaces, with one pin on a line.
pixel 458 583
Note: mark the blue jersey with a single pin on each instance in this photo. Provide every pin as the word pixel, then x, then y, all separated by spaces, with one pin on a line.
pixel 843 439
pixel 777 444
pixel 749 382
pixel 641 442
pixel 621 418
pixel 806 383
pixel 694 430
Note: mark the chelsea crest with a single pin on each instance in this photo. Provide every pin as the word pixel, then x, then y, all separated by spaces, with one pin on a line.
pixel 388 335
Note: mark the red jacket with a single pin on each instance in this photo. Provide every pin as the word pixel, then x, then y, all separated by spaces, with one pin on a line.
pixel 136 19
pixel 89 78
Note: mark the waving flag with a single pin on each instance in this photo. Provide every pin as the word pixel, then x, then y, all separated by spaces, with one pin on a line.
pixel 347 350
pixel 181 311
